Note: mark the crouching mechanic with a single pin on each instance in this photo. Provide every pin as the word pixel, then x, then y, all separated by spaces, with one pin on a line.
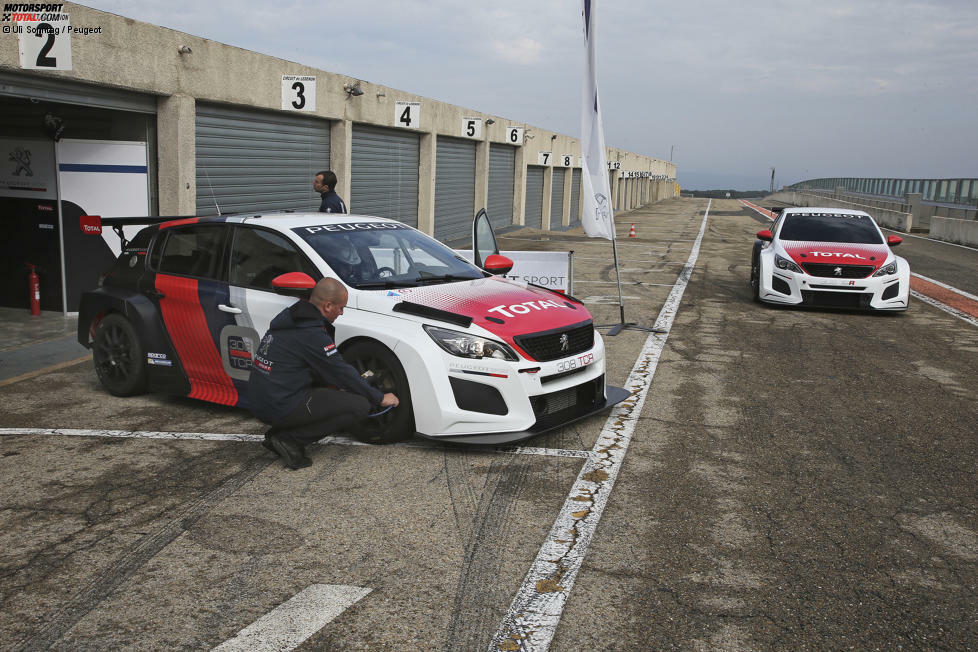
pixel 295 360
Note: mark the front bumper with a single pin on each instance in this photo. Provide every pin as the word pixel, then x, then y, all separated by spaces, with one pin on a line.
pixel 887 293
pixel 612 396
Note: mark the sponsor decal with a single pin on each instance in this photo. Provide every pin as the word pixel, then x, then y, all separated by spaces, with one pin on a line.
pixel 237 350
pixel 525 307
pixel 564 342
pixel 265 343
pixel 392 293
pixel 263 364
pixel 158 359
pixel 352 226
pixel 330 349
pixel 837 271
pixel 91 224
pixel 828 254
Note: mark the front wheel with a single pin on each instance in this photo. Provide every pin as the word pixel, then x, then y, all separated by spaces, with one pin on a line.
pixel 118 356
pixel 755 280
pixel 397 424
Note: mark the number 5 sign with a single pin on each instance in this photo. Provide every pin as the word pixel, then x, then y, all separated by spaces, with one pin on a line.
pixel 472 127
pixel 47 46
pixel 298 93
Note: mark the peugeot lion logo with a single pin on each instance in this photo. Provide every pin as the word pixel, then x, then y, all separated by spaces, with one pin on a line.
pixel 564 342
pixel 838 271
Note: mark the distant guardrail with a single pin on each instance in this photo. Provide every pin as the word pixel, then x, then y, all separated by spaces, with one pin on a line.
pixel 943 191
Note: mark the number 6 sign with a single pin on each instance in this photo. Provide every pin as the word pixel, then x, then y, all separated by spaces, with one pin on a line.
pixel 514 135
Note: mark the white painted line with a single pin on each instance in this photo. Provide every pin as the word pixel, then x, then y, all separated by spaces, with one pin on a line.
pixel 289 624
pixel 945 286
pixel 940 305
pixel 213 436
pixel 642 283
pixel 537 607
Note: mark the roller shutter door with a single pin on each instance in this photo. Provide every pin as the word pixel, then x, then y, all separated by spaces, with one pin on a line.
pixel 258 161
pixel 502 172
pixel 384 180
pixel 557 199
pixel 454 189
pixel 575 207
pixel 534 196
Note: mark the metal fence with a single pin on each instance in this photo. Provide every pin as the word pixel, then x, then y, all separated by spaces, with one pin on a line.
pixel 946 191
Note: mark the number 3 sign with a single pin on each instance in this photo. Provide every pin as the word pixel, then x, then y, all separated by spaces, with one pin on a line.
pixel 298 93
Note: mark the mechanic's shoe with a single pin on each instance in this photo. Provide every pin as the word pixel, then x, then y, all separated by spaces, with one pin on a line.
pixel 290 452
pixel 269 446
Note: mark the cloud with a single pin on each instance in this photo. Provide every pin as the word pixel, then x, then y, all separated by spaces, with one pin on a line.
pixel 523 51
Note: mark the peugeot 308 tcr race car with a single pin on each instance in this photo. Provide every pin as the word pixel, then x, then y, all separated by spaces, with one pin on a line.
pixel 473 357
pixel 829 257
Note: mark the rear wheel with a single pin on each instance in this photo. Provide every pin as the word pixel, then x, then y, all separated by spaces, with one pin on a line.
pixel 389 377
pixel 119 357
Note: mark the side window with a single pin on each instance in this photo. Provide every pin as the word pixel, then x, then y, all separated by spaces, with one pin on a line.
pixel 192 251
pixel 258 256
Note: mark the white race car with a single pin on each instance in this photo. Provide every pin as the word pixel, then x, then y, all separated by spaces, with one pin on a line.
pixel 829 257
pixel 473 357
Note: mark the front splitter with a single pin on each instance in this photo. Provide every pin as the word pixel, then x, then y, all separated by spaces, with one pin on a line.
pixel 613 396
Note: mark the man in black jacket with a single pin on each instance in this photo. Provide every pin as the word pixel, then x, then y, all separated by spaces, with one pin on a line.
pixel 295 360
pixel 325 184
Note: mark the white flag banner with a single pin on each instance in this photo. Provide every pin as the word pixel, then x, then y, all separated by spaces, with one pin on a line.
pixel 596 214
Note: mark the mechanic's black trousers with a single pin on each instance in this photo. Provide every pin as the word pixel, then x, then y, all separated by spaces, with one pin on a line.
pixel 324 412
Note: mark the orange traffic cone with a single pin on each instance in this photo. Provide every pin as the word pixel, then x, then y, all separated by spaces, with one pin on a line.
pixel 631 231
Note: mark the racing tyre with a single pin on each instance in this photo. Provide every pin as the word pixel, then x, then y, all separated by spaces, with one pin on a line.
pixel 397 424
pixel 119 357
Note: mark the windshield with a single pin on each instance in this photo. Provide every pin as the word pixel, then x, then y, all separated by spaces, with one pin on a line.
pixel 379 255
pixel 830 227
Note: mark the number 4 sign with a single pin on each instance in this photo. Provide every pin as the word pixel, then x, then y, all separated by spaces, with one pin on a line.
pixel 407 115
pixel 47 46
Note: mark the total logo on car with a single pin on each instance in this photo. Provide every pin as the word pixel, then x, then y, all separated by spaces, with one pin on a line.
pixel 829 257
pixel 472 356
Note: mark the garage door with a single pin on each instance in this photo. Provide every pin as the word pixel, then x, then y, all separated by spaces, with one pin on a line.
pixel 251 160
pixel 454 190
pixel 557 199
pixel 534 196
pixel 384 180
pixel 502 171
pixel 575 207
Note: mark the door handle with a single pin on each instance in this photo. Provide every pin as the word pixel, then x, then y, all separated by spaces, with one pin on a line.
pixel 230 309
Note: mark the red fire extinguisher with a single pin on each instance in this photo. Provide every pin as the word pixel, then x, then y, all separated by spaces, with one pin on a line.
pixel 34 288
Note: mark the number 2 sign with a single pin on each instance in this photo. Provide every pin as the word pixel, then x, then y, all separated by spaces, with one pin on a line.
pixel 45 46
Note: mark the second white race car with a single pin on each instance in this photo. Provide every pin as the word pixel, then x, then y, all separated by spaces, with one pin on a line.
pixel 829 257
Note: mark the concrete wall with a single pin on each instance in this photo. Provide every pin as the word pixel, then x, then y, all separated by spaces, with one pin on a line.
pixel 896 220
pixel 141 57
pixel 951 230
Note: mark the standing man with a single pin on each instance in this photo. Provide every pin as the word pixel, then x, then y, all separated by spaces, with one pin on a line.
pixel 325 185
pixel 295 360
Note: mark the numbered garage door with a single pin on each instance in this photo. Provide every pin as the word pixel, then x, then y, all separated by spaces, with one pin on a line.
pixel 575 207
pixel 257 160
pixel 454 189
pixel 502 171
pixel 534 196
pixel 384 180
pixel 557 199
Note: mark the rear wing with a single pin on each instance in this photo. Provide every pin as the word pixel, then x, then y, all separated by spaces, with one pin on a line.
pixel 92 224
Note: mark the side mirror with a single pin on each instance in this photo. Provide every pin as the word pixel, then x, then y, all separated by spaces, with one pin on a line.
pixel 496 264
pixel 294 284
pixel 893 240
pixel 765 235
pixel 483 240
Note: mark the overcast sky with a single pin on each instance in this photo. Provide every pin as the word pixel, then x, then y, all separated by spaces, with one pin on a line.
pixel 834 88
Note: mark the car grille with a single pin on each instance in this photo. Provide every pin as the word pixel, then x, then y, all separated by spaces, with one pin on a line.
pixel 848 271
pixel 547 345
pixel 836 299
pixel 565 404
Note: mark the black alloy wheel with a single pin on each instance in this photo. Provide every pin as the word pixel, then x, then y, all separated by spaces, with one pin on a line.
pixel 755 278
pixel 389 377
pixel 119 357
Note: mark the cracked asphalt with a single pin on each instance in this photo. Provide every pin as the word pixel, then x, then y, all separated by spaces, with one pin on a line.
pixel 797 479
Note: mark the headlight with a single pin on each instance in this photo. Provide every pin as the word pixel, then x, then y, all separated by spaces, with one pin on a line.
pixel 784 263
pixel 470 346
pixel 886 270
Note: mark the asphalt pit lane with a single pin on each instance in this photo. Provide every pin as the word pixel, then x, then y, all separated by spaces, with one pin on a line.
pixel 244 534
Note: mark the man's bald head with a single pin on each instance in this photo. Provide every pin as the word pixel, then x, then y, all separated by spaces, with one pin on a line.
pixel 330 296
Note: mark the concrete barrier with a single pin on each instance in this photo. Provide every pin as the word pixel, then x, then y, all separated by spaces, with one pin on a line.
pixel 891 219
pixel 952 230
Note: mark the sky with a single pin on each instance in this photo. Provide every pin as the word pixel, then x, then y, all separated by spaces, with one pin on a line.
pixel 729 90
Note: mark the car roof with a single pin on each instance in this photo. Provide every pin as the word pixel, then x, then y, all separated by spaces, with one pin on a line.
pixel 289 220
